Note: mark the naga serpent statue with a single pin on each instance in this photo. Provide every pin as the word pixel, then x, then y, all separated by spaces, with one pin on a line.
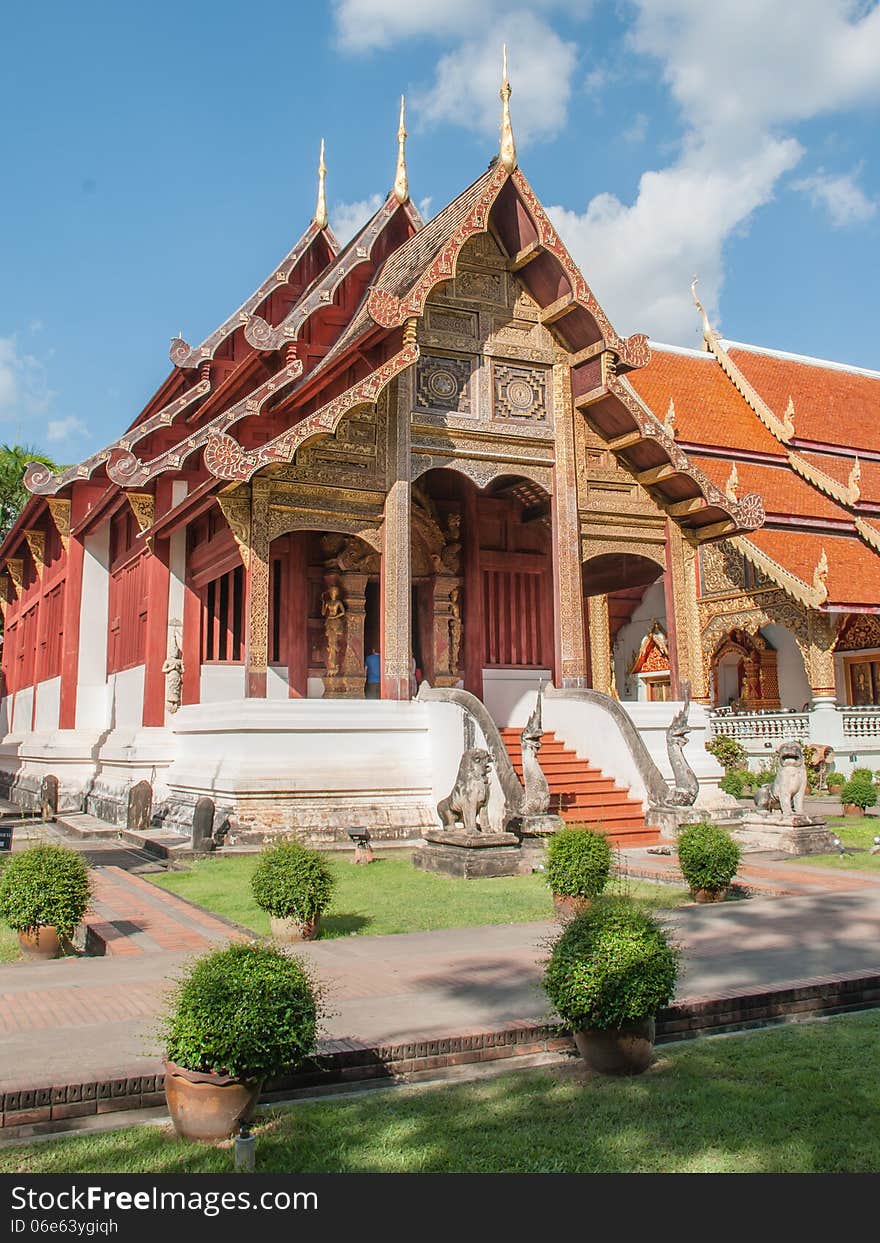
pixel 686 787
pixel 536 799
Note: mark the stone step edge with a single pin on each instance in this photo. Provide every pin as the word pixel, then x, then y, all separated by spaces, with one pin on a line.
pixel 33 1111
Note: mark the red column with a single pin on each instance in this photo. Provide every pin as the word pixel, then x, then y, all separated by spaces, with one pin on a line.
pixel 472 638
pixel 296 609
pixel 156 647
pixel 671 629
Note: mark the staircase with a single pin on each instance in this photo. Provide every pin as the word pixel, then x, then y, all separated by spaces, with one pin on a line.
pixel 582 794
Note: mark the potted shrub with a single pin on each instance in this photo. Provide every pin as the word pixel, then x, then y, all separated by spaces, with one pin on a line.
pixel 835 782
pixel 708 857
pixel 578 866
pixel 44 893
pixel 857 794
pixel 729 753
pixel 240 1015
pixel 732 783
pixel 295 885
pixel 609 972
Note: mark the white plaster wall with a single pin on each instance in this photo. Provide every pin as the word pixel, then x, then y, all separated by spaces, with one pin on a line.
pixel 590 731
pixel 22 710
pixel 126 691
pixel 48 704
pixel 727 679
pixel 653 719
pixel 794 685
pixel 219 683
pixel 652 606
pixel 5 718
pixel 315 688
pixel 276 682
pixel 92 699
pixel 447 738
pixel 509 694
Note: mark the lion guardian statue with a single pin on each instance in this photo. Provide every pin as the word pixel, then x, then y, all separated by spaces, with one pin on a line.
pixel 789 787
pixel 467 802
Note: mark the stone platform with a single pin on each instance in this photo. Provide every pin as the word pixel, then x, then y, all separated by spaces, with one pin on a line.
pixel 793 835
pixel 470 855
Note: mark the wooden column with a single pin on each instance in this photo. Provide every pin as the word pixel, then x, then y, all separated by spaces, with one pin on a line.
pixel 600 643
pixel 471 654
pixel 671 620
pixel 395 589
pixel 156 646
pixel 570 641
pixel 296 606
pixel 257 593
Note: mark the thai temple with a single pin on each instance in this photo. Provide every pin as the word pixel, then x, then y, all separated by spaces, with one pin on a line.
pixel 432 447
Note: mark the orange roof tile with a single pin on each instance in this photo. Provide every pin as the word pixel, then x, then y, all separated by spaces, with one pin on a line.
pixel 839 468
pixel 853 568
pixel 783 491
pixel 831 404
pixel 708 409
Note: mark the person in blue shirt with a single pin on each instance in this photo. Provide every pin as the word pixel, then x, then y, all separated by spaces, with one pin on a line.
pixel 373 663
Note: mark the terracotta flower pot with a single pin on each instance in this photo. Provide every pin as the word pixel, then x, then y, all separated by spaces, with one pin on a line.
pixel 710 895
pixel 208 1107
pixel 289 930
pixel 627 1050
pixel 567 906
pixel 852 809
pixel 44 943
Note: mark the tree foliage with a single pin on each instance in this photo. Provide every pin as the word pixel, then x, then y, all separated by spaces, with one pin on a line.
pixel 13 494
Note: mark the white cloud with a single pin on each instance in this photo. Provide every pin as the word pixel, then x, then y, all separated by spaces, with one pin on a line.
pixel 743 74
pixel 23 388
pixel 844 200
pixel 65 429
pixel 347 218
pixel 467 80
pixel 465 87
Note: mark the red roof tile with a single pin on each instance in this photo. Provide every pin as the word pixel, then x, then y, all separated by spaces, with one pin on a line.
pixel 853 568
pixel 831 405
pixel 783 492
pixel 708 409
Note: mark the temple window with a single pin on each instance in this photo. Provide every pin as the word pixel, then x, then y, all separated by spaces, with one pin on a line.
pixel 127 629
pixel 223 618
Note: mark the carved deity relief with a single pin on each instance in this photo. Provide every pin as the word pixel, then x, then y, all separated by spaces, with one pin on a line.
pixel 173 668
pixel 333 612
pixel 454 631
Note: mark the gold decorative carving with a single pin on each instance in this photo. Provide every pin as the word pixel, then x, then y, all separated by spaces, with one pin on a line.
pixel 36 542
pixel 15 569
pixel 258 578
pixel 142 506
pixel 333 612
pixel 519 392
pixel 600 643
pixel 59 511
pixel 732 483
pixel 236 509
pixel 812 595
pixel 846 494
pixel 669 421
pixel 443 383
pixel 859 632
pixel 569 580
pixel 822 629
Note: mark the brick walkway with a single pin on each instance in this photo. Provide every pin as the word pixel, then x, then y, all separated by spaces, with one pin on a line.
pixel 761 876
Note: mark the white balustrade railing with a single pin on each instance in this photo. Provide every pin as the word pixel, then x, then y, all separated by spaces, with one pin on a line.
pixel 861 722
pixel 763 726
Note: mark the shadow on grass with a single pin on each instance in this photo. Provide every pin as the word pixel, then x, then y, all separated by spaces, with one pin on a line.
pixel 343 925
pixel 798 1099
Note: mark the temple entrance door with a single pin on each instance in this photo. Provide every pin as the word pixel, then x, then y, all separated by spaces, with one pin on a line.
pixel 625 595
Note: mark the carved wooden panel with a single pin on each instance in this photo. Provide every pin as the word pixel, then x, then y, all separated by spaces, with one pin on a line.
pixel 443 383
pixel 519 392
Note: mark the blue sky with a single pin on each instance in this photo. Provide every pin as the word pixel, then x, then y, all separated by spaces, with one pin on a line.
pixel 162 159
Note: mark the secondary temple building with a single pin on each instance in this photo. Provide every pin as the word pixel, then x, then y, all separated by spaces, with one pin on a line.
pixel 432 444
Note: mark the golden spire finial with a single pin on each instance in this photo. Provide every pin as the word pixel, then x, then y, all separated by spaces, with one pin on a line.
pixel 507 151
pixel 321 206
pixel 852 483
pixel 732 483
pixel 401 185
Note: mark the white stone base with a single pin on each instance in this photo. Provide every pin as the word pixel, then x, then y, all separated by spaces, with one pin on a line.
pixel 798 835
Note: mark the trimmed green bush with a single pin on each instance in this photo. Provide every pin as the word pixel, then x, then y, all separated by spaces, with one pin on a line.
pixel 44 886
pixel 612 965
pixel 859 790
pixel 729 753
pixel 861 774
pixel 293 882
pixel 764 776
pixel 835 781
pixel 734 782
pixel 708 856
pixel 248 1010
pixel 578 863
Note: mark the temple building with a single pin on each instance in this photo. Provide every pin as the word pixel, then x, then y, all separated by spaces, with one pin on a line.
pixel 433 445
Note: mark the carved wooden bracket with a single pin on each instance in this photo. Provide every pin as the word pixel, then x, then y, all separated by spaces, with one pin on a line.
pixel 59 511
pixel 36 542
pixel 236 509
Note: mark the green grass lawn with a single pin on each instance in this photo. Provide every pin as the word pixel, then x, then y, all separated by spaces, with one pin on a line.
pixel 852 831
pixel 390 895
pixel 799 1099
pixel 9 951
